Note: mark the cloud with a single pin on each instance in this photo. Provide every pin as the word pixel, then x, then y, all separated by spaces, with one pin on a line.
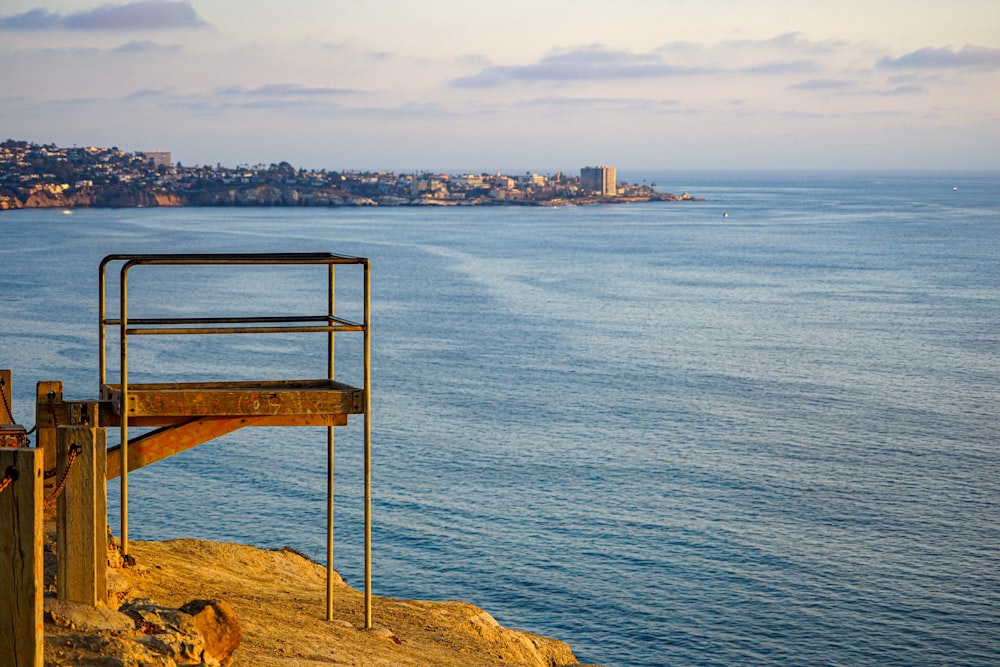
pixel 968 57
pixel 605 104
pixel 857 89
pixel 145 47
pixel 588 63
pixel 824 85
pixel 146 93
pixel 911 89
pixel 598 63
pixel 791 41
pixel 788 67
pixel 286 90
pixel 141 15
pixel 33 19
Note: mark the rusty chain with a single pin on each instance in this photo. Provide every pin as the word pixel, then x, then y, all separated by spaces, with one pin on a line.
pixel 11 474
pixel 9 477
pixel 74 451
pixel 6 401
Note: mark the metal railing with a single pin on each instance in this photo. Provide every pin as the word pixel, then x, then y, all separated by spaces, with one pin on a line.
pixel 326 322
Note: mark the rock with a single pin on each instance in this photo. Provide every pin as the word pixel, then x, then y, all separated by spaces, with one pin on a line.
pixel 181 648
pixel 384 633
pixel 154 619
pixel 86 618
pixel 118 587
pixel 218 626
pixel 168 632
pixel 129 653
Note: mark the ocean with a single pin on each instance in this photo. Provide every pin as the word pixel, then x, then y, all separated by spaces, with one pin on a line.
pixel 761 429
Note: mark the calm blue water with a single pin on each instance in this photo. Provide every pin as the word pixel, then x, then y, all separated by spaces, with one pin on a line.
pixel 665 436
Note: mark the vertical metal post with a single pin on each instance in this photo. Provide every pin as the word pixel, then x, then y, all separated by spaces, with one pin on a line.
pixel 123 409
pixel 368 452
pixel 101 316
pixel 331 300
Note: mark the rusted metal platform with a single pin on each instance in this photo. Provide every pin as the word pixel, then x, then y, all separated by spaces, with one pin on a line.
pixel 187 414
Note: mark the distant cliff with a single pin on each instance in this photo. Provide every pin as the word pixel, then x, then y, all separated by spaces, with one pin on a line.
pixel 132 197
pixel 119 196
pixel 87 197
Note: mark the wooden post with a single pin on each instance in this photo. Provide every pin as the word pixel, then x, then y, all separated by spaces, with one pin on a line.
pixel 6 397
pixel 45 418
pixel 82 515
pixel 21 585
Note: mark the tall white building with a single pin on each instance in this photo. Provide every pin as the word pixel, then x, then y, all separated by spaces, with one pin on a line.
pixel 601 180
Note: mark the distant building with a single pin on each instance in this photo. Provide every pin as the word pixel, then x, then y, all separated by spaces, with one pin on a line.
pixel 602 180
pixel 157 158
pixel 529 179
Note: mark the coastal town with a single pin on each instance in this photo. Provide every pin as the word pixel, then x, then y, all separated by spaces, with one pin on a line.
pixel 48 176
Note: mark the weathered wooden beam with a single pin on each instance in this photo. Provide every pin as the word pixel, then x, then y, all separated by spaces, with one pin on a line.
pixel 82 515
pixel 165 442
pixel 21 584
pixel 48 403
pixel 238 399
pixel 7 394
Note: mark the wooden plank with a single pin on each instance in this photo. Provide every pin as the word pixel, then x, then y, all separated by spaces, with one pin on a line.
pixel 81 516
pixel 165 442
pixel 246 402
pixel 21 582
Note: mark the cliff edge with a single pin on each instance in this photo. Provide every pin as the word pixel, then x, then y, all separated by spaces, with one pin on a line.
pixel 278 598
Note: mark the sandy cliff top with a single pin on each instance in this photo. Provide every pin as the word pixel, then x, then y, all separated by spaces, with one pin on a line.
pixel 279 600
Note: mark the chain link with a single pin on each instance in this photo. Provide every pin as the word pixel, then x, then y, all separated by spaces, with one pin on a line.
pixel 74 451
pixel 6 402
pixel 8 478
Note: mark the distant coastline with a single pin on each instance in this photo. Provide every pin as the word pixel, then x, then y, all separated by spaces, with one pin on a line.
pixel 47 176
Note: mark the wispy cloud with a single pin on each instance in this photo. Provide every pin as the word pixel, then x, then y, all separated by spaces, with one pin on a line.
pixel 588 63
pixel 899 91
pixel 782 55
pixel 146 93
pixel 968 57
pixel 286 90
pixel 790 41
pixel 786 67
pixel 853 88
pixel 569 103
pixel 822 85
pixel 141 15
pixel 145 47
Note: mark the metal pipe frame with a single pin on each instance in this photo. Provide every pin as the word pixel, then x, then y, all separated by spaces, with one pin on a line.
pixel 250 325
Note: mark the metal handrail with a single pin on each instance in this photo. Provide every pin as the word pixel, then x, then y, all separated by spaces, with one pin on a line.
pixel 328 323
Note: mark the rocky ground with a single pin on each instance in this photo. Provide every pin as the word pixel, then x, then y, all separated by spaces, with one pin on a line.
pixel 270 606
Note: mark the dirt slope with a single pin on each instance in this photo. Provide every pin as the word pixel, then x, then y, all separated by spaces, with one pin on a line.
pixel 279 599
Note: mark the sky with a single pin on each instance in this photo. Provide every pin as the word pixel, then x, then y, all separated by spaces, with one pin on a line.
pixel 541 85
